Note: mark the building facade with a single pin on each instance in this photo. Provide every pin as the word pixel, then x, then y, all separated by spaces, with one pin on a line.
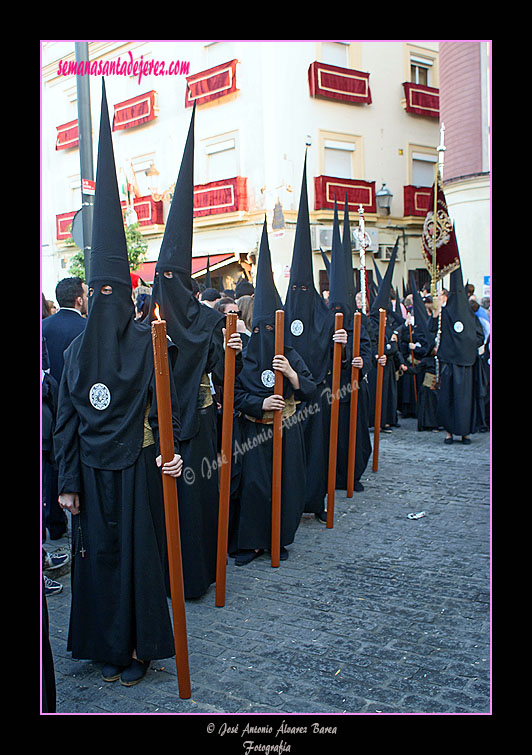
pixel 367 114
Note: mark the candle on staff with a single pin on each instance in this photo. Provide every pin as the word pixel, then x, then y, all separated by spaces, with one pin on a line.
pixel 171 510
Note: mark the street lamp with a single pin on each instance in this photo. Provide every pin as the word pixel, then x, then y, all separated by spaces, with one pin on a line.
pixel 384 198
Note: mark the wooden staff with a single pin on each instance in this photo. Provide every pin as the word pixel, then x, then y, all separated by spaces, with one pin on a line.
pixel 353 409
pixel 277 446
pixel 413 361
pixel 226 453
pixel 333 433
pixel 171 510
pixel 378 398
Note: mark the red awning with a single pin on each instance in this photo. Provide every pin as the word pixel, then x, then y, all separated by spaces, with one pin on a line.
pixel 199 266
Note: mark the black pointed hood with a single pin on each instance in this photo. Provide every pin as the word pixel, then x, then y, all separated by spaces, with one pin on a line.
pixel 422 332
pixel 176 247
pixel 326 262
pixel 110 365
pixel 349 271
pixel 338 290
pixel 461 332
pixel 266 300
pixel 257 376
pixel 308 321
pixel 382 300
pixel 377 272
pixel 190 324
pixel 208 282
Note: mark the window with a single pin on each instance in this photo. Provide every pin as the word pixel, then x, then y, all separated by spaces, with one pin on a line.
pixel 335 53
pixel 423 168
pixel 420 70
pixel 338 159
pixel 221 158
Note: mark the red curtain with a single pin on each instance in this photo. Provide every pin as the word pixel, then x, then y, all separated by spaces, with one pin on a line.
pixel 210 84
pixel 220 196
pixel 344 84
pixel 422 100
pixel 135 111
pixel 67 135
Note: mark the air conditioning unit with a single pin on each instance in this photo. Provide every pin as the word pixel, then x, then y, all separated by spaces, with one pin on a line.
pixel 373 233
pixel 321 236
pixel 384 252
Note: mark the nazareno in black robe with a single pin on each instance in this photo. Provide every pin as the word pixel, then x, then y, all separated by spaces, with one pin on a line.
pixel 196 329
pixel 309 327
pixel 106 443
pixel 461 387
pixel 253 441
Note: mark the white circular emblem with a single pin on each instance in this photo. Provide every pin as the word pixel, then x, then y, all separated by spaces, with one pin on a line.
pixel 296 327
pixel 268 378
pixel 458 326
pixel 100 396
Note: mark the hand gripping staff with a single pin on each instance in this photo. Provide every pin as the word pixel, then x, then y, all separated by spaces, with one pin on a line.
pixel 171 510
pixel 226 453
pixel 277 446
pixel 353 408
pixel 333 433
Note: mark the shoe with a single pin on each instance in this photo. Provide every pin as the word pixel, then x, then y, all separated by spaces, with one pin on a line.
pixel 54 560
pixel 448 441
pixel 386 429
pixel 358 487
pixel 134 672
pixel 321 517
pixel 244 557
pixel 51 587
pixel 466 441
pixel 284 554
pixel 111 672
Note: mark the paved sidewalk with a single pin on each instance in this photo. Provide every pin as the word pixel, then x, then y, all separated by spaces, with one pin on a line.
pixel 381 614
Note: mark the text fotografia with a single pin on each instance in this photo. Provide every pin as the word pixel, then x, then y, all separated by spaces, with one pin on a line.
pixel 126 67
pixel 251 746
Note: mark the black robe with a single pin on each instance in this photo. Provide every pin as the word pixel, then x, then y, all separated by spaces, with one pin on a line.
pixel 119 565
pixel 427 394
pixel 389 381
pixel 253 457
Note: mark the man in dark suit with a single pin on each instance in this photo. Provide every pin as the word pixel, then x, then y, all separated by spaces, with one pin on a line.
pixel 59 331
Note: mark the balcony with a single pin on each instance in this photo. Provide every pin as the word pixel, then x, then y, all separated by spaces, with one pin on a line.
pixel 211 84
pixel 416 200
pixel 334 83
pixel 358 193
pixel 421 100
pixel 216 197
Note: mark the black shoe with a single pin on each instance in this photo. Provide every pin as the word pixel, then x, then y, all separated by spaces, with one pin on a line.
pixel 448 441
pixel 111 672
pixel 358 487
pixel 321 517
pixel 284 554
pixel 244 557
pixel 466 441
pixel 134 672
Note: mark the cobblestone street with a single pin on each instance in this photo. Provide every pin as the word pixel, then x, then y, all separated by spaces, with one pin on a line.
pixel 381 614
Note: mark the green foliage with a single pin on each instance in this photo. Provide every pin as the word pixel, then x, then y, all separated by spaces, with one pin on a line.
pixel 136 252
